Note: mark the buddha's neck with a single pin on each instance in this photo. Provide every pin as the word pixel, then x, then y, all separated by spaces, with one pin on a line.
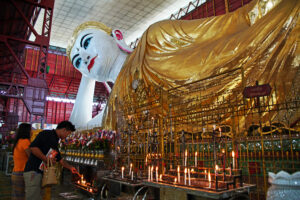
pixel 117 66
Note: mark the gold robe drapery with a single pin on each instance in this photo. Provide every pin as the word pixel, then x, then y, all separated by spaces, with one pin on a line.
pixel 263 40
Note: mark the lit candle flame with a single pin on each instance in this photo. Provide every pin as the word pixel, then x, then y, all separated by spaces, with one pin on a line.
pixel 233 160
pixel 122 169
pixel 209 179
pixel 185 171
pixel 178 173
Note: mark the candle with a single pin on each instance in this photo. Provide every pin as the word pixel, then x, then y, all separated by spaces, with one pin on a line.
pixel 178 173
pixel 122 169
pixel 130 169
pixel 214 127
pixel 185 158
pixel 196 158
pixel 217 169
pixel 132 175
pixel 233 160
pixel 209 180
pixel 175 180
pixel 220 130
pixel 185 171
pixel 224 161
pixel 156 173
pixel 160 177
pixel 149 173
pixel 205 173
pixel 189 176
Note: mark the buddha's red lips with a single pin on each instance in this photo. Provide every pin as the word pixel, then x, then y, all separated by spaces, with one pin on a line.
pixel 90 66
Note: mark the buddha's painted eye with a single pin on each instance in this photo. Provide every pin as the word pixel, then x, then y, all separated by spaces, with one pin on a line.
pixel 77 63
pixel 87 42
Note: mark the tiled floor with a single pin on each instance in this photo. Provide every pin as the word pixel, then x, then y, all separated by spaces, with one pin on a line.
pixel 56 192
pixel 5 190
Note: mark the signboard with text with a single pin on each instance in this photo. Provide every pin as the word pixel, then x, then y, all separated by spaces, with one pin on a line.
pixel 257 91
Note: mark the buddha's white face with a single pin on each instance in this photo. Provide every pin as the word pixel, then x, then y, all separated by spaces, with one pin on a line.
pixel 94 54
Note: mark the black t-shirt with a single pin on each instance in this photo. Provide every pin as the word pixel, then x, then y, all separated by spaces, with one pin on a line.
pixel 44 141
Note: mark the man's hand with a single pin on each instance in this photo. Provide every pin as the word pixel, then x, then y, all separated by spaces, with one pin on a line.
pixel 68 166
pixel 74 170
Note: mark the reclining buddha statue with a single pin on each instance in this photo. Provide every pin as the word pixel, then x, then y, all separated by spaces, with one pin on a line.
pixel 262 37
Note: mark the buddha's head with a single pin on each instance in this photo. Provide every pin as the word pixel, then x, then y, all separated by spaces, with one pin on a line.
pixel 94 48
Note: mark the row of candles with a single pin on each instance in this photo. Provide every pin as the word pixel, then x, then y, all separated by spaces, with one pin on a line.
pixel 130 172
pixel 177 180
pixel 186 177
pixel 196 155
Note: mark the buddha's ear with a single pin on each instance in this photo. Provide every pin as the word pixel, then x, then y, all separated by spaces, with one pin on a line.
pixel 118 36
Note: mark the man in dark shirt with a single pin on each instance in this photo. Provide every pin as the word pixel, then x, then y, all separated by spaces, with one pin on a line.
pixel 44 141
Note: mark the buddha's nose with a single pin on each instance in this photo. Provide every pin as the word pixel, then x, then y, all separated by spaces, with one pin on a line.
pixel 86 56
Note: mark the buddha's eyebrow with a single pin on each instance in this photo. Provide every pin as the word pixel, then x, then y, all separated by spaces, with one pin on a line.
pixel 83 38
pixel 74 58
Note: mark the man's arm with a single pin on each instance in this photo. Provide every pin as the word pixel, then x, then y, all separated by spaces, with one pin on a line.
pixel 68 166
pixel 38 153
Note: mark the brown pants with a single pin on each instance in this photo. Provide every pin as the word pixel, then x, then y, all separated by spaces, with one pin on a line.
pixel 33 183
pixel 18 186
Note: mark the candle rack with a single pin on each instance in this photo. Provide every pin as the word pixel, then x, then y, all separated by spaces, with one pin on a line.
pixel 198 125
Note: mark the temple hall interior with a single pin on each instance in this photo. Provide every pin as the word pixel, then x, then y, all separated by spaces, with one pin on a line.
pixel 149 100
